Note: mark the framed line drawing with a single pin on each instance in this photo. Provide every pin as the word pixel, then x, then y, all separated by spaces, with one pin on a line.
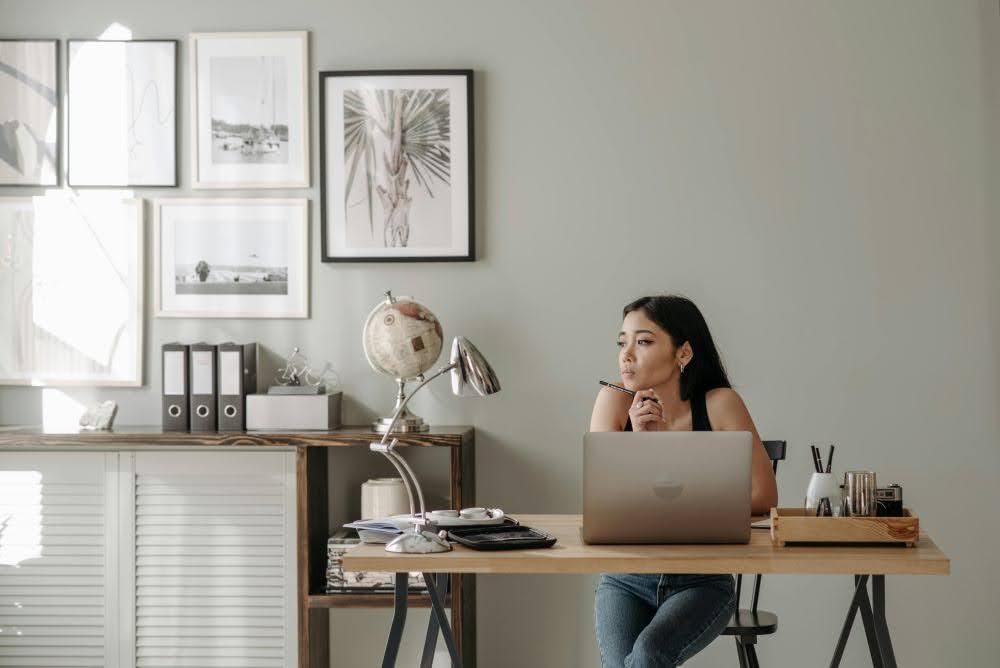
pixel 249 109
pixel 29 112
pixel 231 258
pixel 396 166
pixel 71 290
pixel 122 113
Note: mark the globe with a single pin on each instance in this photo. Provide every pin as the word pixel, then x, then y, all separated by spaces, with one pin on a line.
pixel 401 338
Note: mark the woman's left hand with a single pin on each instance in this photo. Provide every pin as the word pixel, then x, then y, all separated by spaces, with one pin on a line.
pixel 646 412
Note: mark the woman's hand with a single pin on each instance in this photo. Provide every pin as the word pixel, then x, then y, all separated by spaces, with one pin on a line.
pixel 645 413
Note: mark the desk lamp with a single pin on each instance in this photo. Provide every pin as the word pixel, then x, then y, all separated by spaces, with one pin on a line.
pixel 471 375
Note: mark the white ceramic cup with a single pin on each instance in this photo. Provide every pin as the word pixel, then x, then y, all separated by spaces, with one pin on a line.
pixel 820 485
pixel 384 497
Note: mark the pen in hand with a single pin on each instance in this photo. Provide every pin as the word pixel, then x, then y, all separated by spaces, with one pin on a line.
pixel 627 391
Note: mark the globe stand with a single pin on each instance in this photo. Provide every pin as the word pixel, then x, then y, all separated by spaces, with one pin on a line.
pixel 406 422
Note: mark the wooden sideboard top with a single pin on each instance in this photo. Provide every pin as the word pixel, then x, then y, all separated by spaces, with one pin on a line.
pixel 128 436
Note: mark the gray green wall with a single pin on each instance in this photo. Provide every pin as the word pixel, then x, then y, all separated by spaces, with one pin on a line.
pixel 820 177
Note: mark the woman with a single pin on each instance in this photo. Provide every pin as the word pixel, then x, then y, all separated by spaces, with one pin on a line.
pixel 667 354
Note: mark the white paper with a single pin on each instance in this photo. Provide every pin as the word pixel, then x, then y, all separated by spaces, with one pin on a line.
pixel 201 372
pixel 229 372
pixel 173 372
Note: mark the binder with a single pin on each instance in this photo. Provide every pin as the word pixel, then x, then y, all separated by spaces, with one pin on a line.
pixel 237 375
pixel 204 391
pixel 175 387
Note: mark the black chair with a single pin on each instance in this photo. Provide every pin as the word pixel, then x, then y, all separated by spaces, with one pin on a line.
pixel 746 625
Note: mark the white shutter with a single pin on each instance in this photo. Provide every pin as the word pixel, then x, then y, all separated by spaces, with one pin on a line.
pixel 214 560
pixel 57 513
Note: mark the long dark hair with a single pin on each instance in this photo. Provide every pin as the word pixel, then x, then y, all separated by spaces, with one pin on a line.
pixel 681 319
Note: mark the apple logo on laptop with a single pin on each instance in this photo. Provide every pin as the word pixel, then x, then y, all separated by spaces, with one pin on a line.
pixel 667 489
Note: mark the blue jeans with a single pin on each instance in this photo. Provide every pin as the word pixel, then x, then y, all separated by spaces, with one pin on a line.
pixel 648 620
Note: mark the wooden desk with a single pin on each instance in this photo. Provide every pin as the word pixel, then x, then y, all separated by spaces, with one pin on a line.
pixel 570 555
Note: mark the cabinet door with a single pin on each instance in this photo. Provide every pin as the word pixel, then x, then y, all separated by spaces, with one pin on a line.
pixel 58 565
pixel 213 559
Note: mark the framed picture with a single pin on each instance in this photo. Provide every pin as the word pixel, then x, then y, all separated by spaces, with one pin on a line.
pixel 71 286
pixel 122 109
pixel 29 112
pixel 250 110
pixel 231 258
pixel 396 165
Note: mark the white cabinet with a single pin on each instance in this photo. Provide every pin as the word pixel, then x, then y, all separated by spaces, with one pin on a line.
pixel 57 566
pixel 148 559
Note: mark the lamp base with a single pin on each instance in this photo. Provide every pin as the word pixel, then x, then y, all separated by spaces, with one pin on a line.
pixel 409 424
pixel 418 542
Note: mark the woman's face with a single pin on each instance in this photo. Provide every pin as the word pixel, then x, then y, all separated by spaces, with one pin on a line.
pixel 646 355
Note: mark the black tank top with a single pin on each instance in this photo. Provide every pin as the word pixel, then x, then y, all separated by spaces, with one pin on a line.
pixel 699 415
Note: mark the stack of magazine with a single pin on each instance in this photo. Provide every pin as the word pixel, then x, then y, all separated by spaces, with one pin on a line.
pixel 340 581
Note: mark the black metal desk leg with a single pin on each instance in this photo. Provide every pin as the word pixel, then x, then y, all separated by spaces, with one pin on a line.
pixel 871 631
pixel 881 626
pixel 430 640
pixel 398 620
pixel 860 590
pixel 442 618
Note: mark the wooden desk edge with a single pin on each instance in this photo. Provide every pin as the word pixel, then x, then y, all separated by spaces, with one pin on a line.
pixel 762 556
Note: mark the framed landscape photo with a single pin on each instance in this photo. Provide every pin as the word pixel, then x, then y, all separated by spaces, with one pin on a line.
pixel 396 165
pixel 231 258
pixel 122 109
pixel 249 109
pixel 71 290
pixel 29 112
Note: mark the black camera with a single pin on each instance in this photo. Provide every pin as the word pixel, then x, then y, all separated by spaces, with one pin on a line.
pixel 889 501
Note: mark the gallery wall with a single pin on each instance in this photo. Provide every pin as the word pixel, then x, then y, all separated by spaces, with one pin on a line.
pixel 821 178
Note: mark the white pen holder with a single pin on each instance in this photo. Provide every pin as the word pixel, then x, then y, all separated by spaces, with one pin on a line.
pixel 820 485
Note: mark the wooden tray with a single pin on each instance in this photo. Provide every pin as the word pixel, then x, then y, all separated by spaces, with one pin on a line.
pixel 798 525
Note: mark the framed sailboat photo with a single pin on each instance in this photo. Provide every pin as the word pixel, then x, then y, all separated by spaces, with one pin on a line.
pixel 250 105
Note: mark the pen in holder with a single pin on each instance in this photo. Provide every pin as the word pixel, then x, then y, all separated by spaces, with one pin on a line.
pixel 823 485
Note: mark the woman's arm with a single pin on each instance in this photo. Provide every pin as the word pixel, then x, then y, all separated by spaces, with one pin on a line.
pixel 610 410
pixel 727 412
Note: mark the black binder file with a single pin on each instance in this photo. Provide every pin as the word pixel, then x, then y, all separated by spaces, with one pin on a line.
pixel 237 376
pixel 175 387
pixel 203 387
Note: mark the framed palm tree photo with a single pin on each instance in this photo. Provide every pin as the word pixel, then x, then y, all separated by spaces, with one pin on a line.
pixel 396 166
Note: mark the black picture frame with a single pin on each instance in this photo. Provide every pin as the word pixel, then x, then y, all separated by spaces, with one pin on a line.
pixel 58 110
pixel 176 124
pixel 467 75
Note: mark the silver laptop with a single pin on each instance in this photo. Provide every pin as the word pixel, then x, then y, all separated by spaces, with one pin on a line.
pixel 666 487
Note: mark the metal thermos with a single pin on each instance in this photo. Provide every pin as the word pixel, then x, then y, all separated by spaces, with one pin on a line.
pixel 859 493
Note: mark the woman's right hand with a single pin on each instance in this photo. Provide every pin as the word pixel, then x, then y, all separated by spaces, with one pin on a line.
pixel 646 412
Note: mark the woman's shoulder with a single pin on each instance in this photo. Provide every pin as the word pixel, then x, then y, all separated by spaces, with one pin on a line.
pixel 610 410
pixel 724 402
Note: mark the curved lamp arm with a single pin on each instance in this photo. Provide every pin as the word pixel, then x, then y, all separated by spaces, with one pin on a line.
pixel 409 479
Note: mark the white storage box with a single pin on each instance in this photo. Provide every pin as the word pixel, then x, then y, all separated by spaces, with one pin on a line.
pixel 293 412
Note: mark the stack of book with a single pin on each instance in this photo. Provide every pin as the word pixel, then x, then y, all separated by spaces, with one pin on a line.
pixel 340 581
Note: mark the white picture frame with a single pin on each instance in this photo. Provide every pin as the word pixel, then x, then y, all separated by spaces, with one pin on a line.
pixel 30 150
pixel 71 290
pixel 255 253
pixel 249 109
pixel 122 113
